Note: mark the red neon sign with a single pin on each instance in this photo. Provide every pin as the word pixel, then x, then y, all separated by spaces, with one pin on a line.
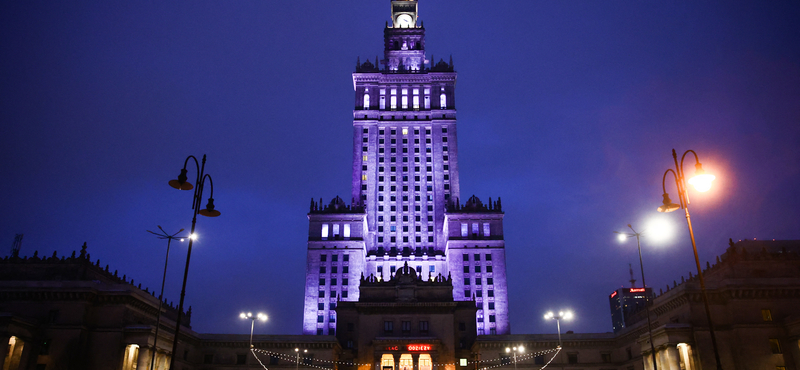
pixel 419 347
pixel 613 294
pixel 637 290
pixel 391 348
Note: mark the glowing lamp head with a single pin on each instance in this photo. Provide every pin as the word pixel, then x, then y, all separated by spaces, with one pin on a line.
pixel 193 236
pixel 297 349
pixel 242 315
pixel 508 350
pixel 262 317
pixel 567 315
pixel 701 180
pixel 659 229
pixel 548 315
pixel 181 183
pixel 667 205
pixel 520 349
pixel 621 237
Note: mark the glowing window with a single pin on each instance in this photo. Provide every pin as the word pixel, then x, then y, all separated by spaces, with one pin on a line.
pixel 404 101
pixel 405 131
pixel 406 362
pixel 387 360
pixel 416 91
pixel 405 91
pixel 393 102
pixel 347 230
pixel 324 231
pixel 442 101
pixel 415 102
pixel 427 102
pixel 394 91
pixel 365 158
pixel 464 230
pixel 366 101
pixel 335 230
pixel 383 102
pixel 486 230
pixel 364 177
pixel 475 229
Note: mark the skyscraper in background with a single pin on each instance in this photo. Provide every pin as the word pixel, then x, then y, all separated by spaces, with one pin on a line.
pixel 405 205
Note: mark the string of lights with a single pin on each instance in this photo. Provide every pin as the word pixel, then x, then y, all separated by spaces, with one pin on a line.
pixel 502 360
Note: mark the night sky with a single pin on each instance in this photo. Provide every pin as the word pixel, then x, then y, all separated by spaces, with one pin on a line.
pixel 567 110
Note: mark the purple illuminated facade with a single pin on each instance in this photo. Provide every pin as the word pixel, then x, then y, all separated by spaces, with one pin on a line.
pixel 405 204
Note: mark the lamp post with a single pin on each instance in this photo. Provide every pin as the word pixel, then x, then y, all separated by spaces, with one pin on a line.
pixel 209 211
pixel 561 316
pixel 249 315
pixel 646 297
pixel 162 235
pixel 702 182
pixel 519 349
pixel 297 352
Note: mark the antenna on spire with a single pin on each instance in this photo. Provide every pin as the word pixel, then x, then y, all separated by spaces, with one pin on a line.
pixel 632 280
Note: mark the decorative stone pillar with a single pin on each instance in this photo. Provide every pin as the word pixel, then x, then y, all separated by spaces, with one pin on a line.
pixel 672 357
pixel 143 362
pixel 396 357
pixel 415 361
pixel 647 358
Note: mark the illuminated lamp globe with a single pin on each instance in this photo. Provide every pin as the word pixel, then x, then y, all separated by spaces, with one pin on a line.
pixel 668 206
pixel 701 180
pixel 181 183
pixel 621 236
pixel 209 211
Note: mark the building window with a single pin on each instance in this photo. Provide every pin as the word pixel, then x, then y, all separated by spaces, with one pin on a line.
pixel 345 269
pixel 345 282
pixel 344 294
pixel 388 326
pixel 477 269
pixel 486 230
pixel 324 233
pixel 493 331
pixel 423 327
pixel 443 101
pixel 319 331
pixel 322 269
pixel 334 257
pixel 572 358
pixel 464 231
pixel 320 318
pixel 466 269
pixel 491 305
pixel 322 294
pixel 406 327
pixel 366 101
pixel 489 281
pixel 466 281
pixel 467 293
pixel 488 257
pixel 431 268
pixel 490 293
pixel 775 345
pixel 321 282
pixel 488 268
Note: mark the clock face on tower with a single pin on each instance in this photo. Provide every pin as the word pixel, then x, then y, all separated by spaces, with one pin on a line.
pixel 404 20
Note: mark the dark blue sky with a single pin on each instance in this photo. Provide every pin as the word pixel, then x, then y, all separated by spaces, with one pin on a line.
pixel 567 110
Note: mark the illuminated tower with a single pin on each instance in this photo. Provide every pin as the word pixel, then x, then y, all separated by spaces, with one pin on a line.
pixel 405 204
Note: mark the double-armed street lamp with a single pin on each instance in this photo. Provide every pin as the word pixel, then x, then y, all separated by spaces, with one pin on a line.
pixel 182 184
pixel 562 315
pixel 162 235
pixel 701 182
pixel 517 349
pixel 297 353
pixel 249 316
pixel 622 237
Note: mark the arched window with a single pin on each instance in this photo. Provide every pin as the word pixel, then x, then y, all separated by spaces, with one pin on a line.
pixel 366 101
pixel 443 101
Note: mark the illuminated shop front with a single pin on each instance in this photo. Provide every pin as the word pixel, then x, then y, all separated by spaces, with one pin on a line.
pixel 416 356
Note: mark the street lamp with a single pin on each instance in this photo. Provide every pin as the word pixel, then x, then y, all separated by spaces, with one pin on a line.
pixel 182 184
pixel 297 352
pixel 702 182
pixel 249 315
pixel 162 235
pixel 561 316
pixel 518 349
pixel 622 237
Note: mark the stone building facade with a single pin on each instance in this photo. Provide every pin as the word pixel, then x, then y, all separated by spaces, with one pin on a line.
pixel 405 205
